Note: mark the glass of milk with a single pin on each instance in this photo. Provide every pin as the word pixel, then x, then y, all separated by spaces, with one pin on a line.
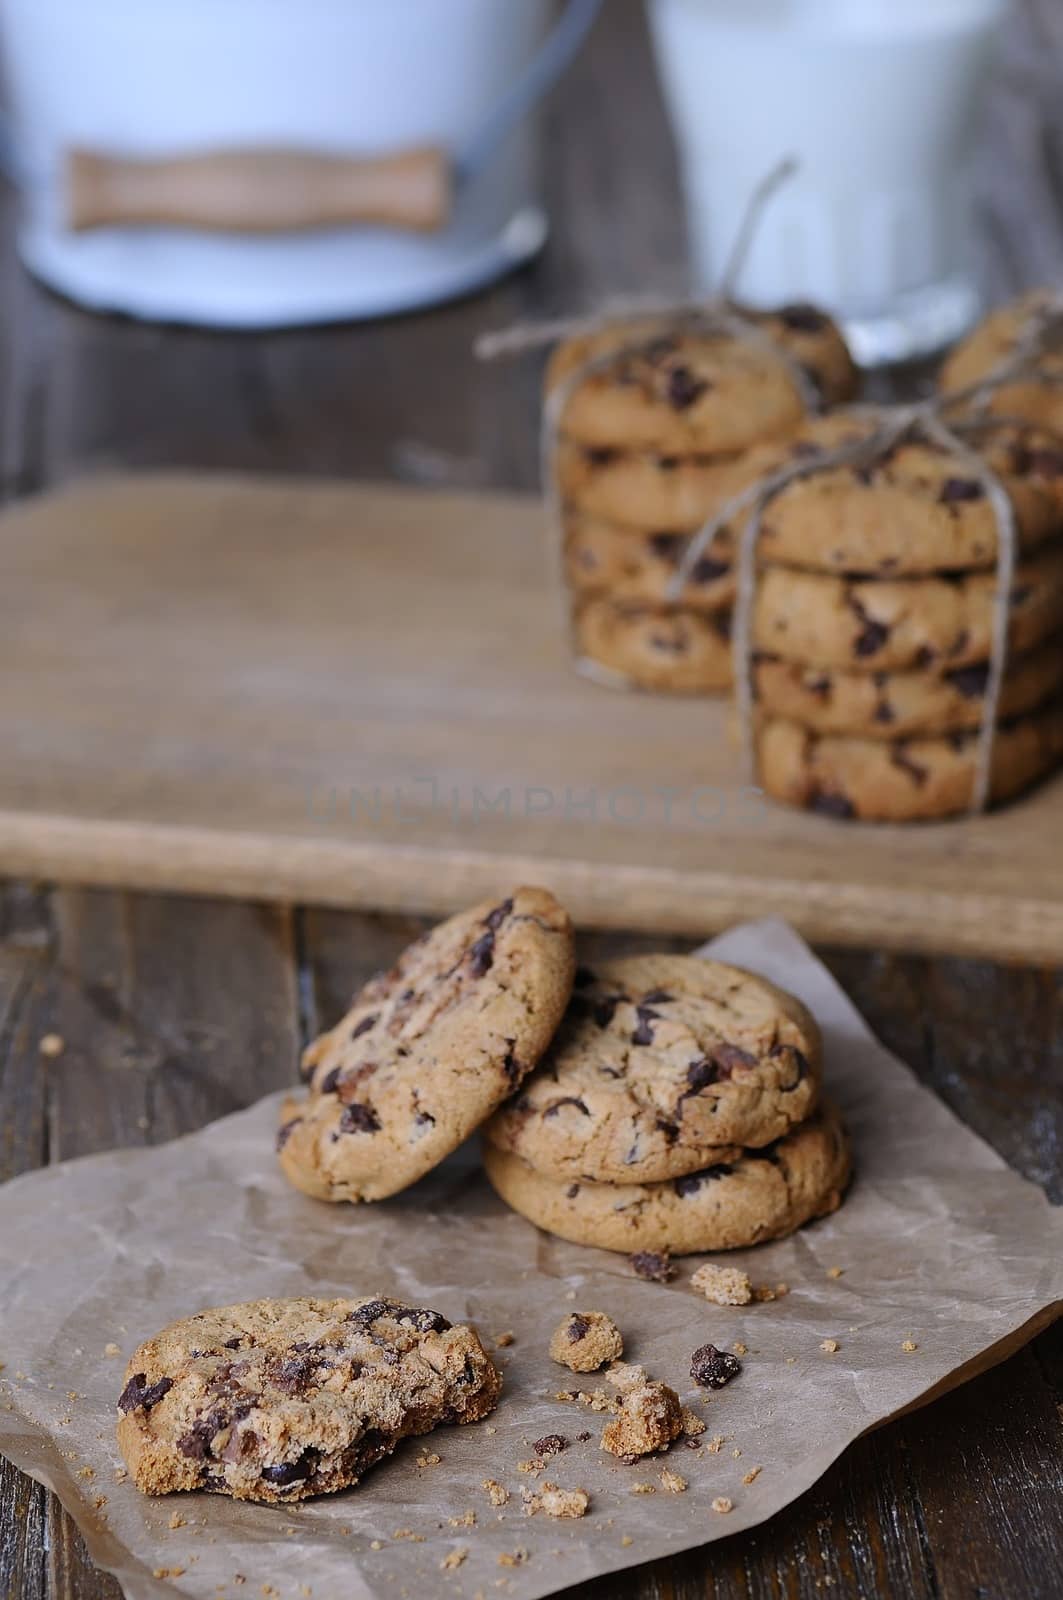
pixel 877 100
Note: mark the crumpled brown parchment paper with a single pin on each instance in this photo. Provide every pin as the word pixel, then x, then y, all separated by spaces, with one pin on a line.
pixel 939 1244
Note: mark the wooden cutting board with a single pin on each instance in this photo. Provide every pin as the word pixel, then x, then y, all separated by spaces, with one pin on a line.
pixel 361 695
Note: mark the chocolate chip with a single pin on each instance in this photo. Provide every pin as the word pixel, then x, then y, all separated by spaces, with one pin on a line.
pixel 700 1074
pixel 713 1368
pixel 706 570
pixel 482 954
pixel 495 918
pixel 363 1026
pixel 605 1010
pixel 802 318
pixel 668 546
pixel 233 1344
pixel 657 997
pixel 285 1131
pixel 584 978
pixel 600 455
pixel 955 490
pixel 424 1119
pixel 572 1191
pixel 195 1444
pixel 683 389
pixel 643 1033
pixel 359 1119
pixel 568 1100
pixel 364 1315
pixel 138 1394
pixel 293 1374
pixel 330 1081
pixel 653 1265
pixel 884 712
pixel 551 1444
pixel 871 640
pixel 688 1185
pixel 512 1068
pixel 831 804
pixel 423 1320
pixel 581 1438
pixel 729 1056
pixel 289 1472
pixel 900 758
pixel 668 463
pixel 577 1327
pixel 970 681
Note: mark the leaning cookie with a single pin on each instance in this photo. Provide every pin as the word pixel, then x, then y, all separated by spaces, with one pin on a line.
pixel 694 391
pixel 278 1400
pixel 1037 395
pixel 429 1049
pixel 660 1062
pixel 903 780
pixel 762 1194
pixel 645 647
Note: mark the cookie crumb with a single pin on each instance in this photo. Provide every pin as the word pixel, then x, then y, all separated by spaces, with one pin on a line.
pixel 100 1501
pixel 111 1350
pixel 736 1452
pixel 51 1045
pixel 585 1340
pixel 655 1266
pixel 497 1492
pixel 764 1292
pixel 554 1501
pixel 752 1475
pixel 693 1425
pixel 466 1520
pixel 503 1340
pixel 908 1346
pixel 530 1468
pixel 176 1520
pixel 713 1368
pixel 408 1533
pixel 515 1558
pixel 835 1272
pixel 716 1444
pixel 427 1460
pixel 376 1544
pixel 672 1481
pixel 724 1286
pixel 739 1348
pixel 649 1416
pixel 87 1472
pixel 723 1505
pixel 830 1346
pixel 454 1558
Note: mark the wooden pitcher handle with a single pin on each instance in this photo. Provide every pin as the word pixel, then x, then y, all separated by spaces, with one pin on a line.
pixel 260 191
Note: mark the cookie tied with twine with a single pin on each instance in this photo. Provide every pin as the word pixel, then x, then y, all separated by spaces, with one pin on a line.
pixel 624 333
pixel 950 423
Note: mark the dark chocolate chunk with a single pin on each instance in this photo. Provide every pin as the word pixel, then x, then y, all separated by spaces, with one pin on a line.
pixel 584 978
pixel 900 758
pixel 669 546
pixel 359 1119
pixel 600 455
pixel 643 1033
pixel 364 1315
pixel 970 681
pixel 802 318
pixel 577 1328
pixel 653 1265
pixel 289 1472
pixel 330 1082
pixel 683 389
pixel 423 1320
pixel 139 1394
pixel 363 1027
pixel 657 997
pixel 567 1100
pixel 482 954
pixel 713 1368
pixel 831 803
pixel 285 1131
pixel 605 1010
pixel 551 1444
pixel 956 490
pixel 495 918
pixel 729 1056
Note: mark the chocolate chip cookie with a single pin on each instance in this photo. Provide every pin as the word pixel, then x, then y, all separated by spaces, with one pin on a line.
pixel 698 392
pixel 643 488
pixel 1038 396
pixel 895 624
pixel 894 705
pixel 278 1400
pixel 902 780
pixel 429 1049
pixel 659 1062
pixel 631 566
pixel 752 1196
pixel 646 647
pixel 917 511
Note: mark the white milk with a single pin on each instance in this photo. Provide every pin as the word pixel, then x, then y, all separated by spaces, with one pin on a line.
pixel 877 100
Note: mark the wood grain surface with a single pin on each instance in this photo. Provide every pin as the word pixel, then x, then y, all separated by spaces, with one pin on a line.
pixel 364 696
pixel 174 1010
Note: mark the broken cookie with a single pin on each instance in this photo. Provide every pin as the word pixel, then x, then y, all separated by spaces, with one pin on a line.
pixel 585 1341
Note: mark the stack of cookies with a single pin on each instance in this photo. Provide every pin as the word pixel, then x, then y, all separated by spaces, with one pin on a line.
pixel 645 445
pixel 660 1103
pixel 678 1110
pixel 872 624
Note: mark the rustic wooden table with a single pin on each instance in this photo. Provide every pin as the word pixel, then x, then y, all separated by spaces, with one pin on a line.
pixel 177 1011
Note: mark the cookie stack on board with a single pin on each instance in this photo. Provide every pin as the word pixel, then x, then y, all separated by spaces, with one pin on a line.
pixel 659 1103
pixel 645 445
pixel 872 623
pixel 678 1110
